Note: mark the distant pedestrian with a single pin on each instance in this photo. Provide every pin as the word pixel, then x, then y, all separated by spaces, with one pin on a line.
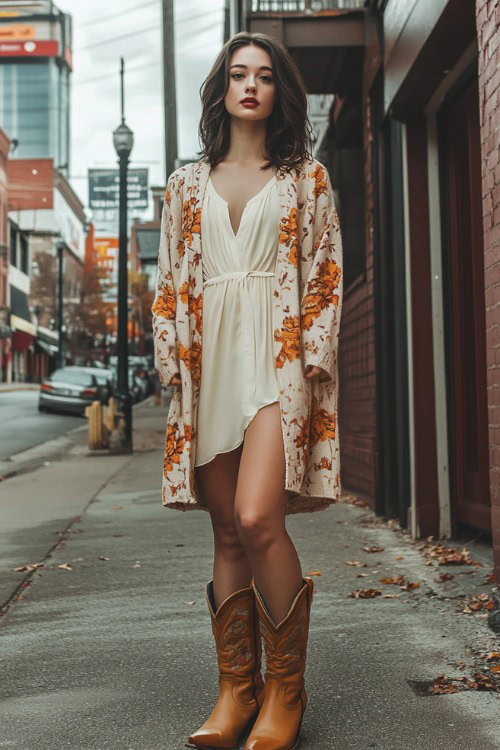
pixel 246 324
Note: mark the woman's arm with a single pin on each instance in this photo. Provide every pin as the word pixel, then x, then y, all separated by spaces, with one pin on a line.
pixel 164 306
pixel 321 302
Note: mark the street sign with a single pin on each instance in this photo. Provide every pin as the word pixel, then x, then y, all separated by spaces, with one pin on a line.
pixel 104 188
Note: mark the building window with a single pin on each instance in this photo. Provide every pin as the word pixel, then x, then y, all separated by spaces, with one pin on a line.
pixel 13 246
pixel 24 253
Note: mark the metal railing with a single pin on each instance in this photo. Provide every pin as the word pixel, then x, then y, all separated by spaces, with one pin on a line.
pixel 302 6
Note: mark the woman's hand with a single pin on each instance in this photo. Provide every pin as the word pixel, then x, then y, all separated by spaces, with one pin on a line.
pixel 312 372
pixel 176 381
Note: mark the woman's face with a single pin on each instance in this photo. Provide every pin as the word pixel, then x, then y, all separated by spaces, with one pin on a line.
pixel 250 78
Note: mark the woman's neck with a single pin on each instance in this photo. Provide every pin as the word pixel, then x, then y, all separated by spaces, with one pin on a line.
pixel 247 141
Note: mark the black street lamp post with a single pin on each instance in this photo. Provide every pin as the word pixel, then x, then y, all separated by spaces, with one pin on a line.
pixel 123 140
pixel 60 302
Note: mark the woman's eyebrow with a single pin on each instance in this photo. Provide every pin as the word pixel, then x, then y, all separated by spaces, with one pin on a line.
pixel 262 67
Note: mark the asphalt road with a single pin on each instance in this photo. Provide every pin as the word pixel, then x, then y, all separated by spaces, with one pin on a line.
pixel 22 426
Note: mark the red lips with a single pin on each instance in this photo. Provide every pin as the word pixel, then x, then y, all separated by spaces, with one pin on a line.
pixel 249 100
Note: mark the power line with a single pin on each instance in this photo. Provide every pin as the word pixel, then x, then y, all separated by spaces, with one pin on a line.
pixel 124 12
pixel 180 19
pixel 144 30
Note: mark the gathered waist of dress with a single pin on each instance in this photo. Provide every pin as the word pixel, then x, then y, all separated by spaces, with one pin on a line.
pixel 242 275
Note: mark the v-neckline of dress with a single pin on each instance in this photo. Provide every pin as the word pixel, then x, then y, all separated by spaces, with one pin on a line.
pixel 234 234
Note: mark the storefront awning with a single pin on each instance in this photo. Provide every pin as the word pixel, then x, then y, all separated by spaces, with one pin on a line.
pixel 20 317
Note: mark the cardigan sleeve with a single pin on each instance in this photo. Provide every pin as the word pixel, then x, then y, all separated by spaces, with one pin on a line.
pixel 321 303
pixel 164 305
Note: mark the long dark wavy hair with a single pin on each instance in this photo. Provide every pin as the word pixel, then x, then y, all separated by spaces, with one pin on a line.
pixel 289 132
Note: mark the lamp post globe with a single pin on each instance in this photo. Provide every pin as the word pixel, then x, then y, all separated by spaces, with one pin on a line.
pixel 123 140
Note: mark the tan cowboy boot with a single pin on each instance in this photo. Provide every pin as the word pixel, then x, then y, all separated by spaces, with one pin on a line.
pixel 235 626
pixel 279 720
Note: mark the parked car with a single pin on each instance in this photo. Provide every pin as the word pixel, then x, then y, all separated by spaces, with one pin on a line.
pixel 104 377
pixel 70 389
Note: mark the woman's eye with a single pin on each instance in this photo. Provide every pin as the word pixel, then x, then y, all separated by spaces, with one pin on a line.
pixel 237 74
pixel 268 79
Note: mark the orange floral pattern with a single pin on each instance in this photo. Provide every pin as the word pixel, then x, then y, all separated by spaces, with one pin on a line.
pixel 322 423
pixel 165 304
pixel 320 185
pixel 289 338
pixel 289 236
pixel 320 292
pixel 307 305
pixel 174 445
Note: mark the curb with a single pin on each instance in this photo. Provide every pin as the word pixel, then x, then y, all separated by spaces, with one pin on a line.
pixel 10 387
pixel 36 456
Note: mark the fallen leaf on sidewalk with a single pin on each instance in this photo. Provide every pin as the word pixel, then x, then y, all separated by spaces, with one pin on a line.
pixel 117 534
pixel 357 563
pixel 365 593
pixel 313 573
pixel 477 603
pixel 490 578
pixel 496 668
pixel 65 566
pixel 443 686
pixel 444 577
pixel 396 581
pixel 391 596
pixel 116 507
pixel 481 682
pixel 399 557
pixel 493 656
pixel 409 586
pixel 137 564
pixel 444 555
pixel 362 575
pixel 29 567
pixel 101 557
pixel 373 548
pixel 193 602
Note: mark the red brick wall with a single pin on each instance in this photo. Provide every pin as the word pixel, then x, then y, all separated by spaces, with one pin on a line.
pixel 488 33
pixel 31 183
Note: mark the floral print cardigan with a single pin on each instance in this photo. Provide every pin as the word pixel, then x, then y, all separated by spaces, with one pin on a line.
pixel 307 303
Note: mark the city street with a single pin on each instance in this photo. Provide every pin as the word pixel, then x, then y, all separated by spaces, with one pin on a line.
pixel 23 426
pixel 108 645
pixel 236 205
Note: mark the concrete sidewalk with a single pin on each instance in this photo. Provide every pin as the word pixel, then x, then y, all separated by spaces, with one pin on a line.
pixel 114 650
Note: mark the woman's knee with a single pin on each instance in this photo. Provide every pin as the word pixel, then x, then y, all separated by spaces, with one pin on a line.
pixel 256 530
pixel 226 537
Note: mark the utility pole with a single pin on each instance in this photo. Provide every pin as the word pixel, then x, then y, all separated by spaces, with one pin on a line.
pixel 169 96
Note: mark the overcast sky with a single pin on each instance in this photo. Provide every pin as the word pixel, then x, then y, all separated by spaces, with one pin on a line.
pixel 95 110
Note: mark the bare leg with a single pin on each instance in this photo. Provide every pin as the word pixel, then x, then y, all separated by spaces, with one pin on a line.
pixel 260 513
pixel 218 479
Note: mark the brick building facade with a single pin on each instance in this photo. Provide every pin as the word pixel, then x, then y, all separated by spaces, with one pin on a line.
pixel 488 34
pixel 412 149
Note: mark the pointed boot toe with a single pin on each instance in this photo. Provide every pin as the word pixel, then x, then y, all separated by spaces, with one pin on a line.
pixel 235 627
pixel 206 738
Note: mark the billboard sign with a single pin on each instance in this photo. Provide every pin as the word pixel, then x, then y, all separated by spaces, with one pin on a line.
pixel 104 187
pixel 17 31
pixel 31 48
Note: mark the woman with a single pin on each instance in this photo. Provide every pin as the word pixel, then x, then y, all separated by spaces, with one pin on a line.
pixel 246 324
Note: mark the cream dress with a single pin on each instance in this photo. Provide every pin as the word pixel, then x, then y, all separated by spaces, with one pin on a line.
pixel 238 375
